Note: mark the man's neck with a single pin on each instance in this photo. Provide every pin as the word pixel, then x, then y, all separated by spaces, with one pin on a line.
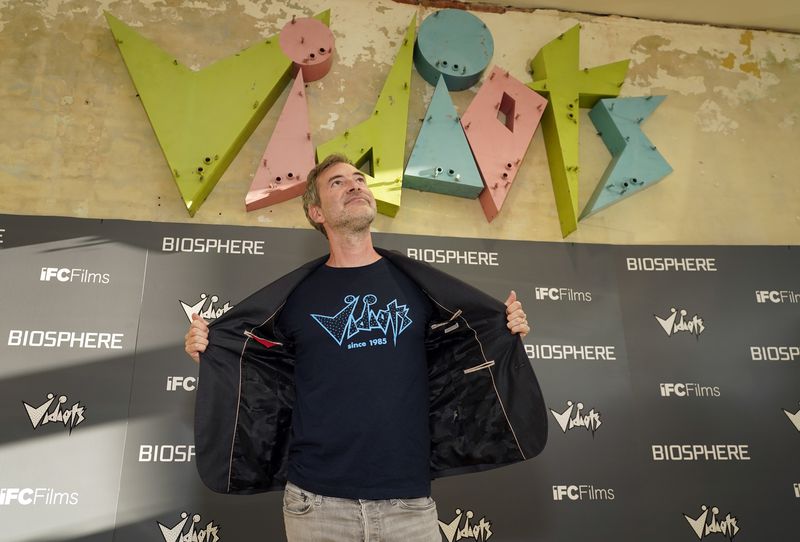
pixel 351 249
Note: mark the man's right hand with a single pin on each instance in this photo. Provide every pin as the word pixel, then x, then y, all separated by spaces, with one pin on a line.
pixel 196 338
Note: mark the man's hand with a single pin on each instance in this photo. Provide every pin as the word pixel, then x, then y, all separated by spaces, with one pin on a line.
pixel 196 338
pixel 517 321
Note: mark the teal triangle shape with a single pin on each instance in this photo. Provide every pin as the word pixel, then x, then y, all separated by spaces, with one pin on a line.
pixel 635 163
pixel 441 160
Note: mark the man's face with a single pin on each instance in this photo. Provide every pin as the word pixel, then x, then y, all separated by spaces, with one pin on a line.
pixel 346 203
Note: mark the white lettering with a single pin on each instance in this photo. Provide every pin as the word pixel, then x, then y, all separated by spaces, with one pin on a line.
pixel 543 293
pixel 582 492
pixel 774 353
pixel 449 256
pixel 65 339
pixel 166 453
pixel 700 452
pixel 687 389
pixel 218 246
pixel 569 351
pixel 671 264
pixel 184 383
pixel 64 274
pixel 32 496
pixel 777 296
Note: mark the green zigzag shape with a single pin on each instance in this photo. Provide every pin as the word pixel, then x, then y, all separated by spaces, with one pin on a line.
pixel 557 75
pixel 202 118
pixel 382 137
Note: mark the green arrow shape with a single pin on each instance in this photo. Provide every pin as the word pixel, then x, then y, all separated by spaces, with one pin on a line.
pixel 382 137
pixel 557 75
pixel 202 118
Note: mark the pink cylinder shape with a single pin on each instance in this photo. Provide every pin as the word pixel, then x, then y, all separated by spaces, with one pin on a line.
pixel 310 46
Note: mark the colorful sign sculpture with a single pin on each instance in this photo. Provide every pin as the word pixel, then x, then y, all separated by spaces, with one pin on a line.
pixel 499 124
pixel 381 139
pixel 557 74
pixel 441 160
pixel 202 118
pixel 635 164
pixel 453 43
pixel 289 156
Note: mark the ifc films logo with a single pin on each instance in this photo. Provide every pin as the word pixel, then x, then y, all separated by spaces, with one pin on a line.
pixel 566 421
pixel 671 327
pixel 42 415
pixel 209 533
pixel 27 496
pixel 462 527
pixel 704 526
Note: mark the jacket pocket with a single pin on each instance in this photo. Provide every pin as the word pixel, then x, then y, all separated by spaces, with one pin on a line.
pixel 262 341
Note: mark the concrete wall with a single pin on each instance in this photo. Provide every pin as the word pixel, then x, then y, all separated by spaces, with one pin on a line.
pixel 75 141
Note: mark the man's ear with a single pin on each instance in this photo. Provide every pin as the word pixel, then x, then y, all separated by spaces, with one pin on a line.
pixel 315 212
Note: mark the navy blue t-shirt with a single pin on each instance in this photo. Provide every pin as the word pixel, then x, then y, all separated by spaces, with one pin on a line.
pixel 360 421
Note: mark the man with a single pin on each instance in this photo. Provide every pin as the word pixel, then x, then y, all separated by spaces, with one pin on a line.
pixel 357 378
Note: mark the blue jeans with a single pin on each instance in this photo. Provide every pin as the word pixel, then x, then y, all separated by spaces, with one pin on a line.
pixel 315 518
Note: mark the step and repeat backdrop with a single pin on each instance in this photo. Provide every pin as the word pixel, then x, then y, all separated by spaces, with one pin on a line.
pixel 671 375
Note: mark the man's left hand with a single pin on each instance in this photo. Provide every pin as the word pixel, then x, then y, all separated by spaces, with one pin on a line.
pixel 517 321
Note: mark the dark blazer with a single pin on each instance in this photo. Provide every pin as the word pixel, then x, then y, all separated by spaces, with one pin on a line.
pixel 486 407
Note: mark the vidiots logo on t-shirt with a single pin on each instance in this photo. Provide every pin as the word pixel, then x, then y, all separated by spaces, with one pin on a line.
pixel 347 323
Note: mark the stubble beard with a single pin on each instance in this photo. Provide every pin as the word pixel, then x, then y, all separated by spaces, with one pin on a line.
pixel 356 223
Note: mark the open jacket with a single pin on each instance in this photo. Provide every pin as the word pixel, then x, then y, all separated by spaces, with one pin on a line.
pixel 486 407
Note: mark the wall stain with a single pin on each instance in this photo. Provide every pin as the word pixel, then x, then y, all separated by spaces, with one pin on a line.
pixel 729 61
pixel 751 67
pixel 747 40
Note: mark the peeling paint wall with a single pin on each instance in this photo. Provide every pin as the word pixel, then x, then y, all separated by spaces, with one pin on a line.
pixel 75 141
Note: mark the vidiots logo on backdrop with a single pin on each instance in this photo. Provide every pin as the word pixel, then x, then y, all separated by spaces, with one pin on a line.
pixel 589 421
pixel 205 307
pixel 704 526
pixel 42 414
pixel 463 528
pixel 209 533
pixel 794 418
pixel 695 326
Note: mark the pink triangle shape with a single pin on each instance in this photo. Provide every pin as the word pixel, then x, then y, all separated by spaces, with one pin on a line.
pixel 289 156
